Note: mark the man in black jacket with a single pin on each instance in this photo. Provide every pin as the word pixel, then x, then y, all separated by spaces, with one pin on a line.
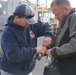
pixel 19 41
pixel 65 43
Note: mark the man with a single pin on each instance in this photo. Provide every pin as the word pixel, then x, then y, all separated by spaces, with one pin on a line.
pixel 19 41
pixel 65 43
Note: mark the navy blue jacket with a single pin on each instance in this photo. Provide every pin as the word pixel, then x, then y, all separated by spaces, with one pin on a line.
pixel 18 45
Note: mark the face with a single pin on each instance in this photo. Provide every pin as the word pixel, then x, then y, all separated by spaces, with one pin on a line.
pixel 59 12
pixel 21 21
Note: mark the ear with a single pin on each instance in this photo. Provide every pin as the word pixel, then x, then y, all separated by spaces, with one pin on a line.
pixel 66 9
pixel 16 17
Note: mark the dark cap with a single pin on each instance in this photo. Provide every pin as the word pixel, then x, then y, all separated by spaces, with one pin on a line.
pixel 25 11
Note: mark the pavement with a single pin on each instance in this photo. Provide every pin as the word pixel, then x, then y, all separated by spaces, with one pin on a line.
pixel 39 68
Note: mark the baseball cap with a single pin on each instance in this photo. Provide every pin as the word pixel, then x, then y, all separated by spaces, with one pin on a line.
pixel 25 11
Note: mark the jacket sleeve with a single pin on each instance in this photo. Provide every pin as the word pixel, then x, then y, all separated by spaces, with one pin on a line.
pixel 12 50
pixel 43 29
pixel 67 49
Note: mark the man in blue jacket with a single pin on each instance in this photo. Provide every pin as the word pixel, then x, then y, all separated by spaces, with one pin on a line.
pixel 19 41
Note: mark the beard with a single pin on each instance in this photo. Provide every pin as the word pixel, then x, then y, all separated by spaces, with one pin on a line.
pixel 61 23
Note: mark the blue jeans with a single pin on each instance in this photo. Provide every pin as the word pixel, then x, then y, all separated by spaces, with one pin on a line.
pixel 6 73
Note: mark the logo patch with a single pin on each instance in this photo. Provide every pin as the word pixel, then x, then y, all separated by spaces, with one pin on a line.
pixel 32 35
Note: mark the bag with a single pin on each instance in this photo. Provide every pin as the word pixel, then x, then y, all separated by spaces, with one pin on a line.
pixel 52 68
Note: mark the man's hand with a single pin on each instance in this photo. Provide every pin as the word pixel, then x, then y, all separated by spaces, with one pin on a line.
pixel 41 50
pixel 47 41
pixel 48 52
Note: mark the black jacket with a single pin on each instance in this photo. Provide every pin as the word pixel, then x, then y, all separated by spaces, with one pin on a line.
pixel 65 46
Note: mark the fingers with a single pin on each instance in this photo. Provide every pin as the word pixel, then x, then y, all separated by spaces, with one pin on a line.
pixel 41 50
pixel 45 44
pixel 47 41
pixel 48 52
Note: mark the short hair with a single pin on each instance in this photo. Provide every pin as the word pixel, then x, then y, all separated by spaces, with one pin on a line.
pixel 60 2
pixel 14 14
